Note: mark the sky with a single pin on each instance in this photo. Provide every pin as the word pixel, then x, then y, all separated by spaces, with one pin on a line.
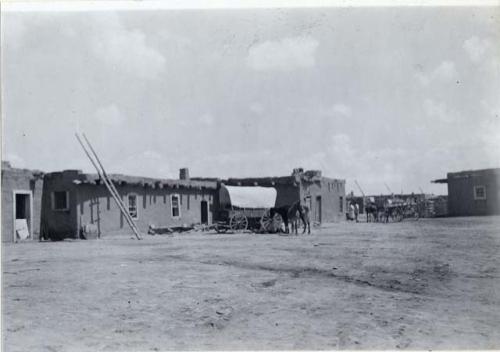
pixel 385 96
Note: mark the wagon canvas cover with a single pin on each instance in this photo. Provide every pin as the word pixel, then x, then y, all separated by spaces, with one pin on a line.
pixel 252 197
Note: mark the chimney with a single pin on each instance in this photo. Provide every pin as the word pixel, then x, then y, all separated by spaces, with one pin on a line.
pixel 184 174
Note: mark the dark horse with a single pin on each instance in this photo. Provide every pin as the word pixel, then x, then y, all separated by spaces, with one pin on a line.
pixel 292 214
pixel 371 211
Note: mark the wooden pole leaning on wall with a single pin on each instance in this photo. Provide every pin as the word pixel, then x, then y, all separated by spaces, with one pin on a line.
pixel 103 170
pixel 115 195
pixel 111 189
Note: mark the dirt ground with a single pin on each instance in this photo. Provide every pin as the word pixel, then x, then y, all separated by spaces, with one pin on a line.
pixel 427 284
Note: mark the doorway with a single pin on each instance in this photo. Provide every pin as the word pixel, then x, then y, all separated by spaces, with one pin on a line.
pixel 204 212
pixel 23 217
pixel 317 214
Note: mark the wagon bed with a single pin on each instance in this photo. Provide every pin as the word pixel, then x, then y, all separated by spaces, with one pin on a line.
pixel 244 208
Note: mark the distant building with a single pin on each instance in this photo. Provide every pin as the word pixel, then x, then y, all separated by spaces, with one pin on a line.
pixel 474 192
pixel 75 204
pixel 21 203
pixel 324 196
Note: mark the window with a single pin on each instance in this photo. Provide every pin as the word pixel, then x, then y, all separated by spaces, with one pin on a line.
pixel 132 206
pixel 341 204
pixel 176 211
pixel 479 192
pixel 60 200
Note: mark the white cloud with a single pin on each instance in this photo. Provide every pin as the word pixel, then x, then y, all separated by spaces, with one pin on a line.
pixel 342 109
pixel 151 154
pixel 476 48
pixel 492 110
pixel 438 110
pixel 257 108
pixel 15 160
pixel 338 109
pixel 206 119
pixel 283 55
pixel 126 49
pixel 446 71
pixel 109 115
pixel 149 163
pixel 344 158
pixel 490 131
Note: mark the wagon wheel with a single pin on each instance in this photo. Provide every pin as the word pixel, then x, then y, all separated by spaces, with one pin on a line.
pixel 238 222
pixel 271 224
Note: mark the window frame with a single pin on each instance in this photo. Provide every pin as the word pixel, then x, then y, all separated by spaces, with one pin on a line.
pixel 484 192
pixel 53 201
pixel 136 206
pixel 172 206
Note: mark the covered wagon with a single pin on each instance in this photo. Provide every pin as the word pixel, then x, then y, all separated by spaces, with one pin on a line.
pixel 243 208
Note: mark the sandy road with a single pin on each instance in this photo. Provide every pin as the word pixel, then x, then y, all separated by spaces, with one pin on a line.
pixel 430 284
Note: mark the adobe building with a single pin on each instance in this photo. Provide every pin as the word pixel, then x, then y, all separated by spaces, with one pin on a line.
pixel 21 203
pixel 78 205
pixel 324 196
pixel 474 192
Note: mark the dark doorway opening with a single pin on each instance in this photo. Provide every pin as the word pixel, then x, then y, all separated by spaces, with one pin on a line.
pixel 204 212
pixel 22 216
pixel 317 217
pixel 22 206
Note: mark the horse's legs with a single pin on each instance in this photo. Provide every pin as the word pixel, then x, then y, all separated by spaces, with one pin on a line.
pixel 284 216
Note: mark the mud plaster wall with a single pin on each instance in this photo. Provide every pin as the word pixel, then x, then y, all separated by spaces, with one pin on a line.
pixel 461 200
pixel 59 224
pixel 286 194
pixel 96 206
pixel 20 180
pixel 332 193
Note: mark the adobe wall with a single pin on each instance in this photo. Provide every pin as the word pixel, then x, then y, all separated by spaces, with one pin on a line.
pixel 333 199
pixel 286 194
pixel 59 224
pixel 20 180
pixel 461 200
pixel 96 206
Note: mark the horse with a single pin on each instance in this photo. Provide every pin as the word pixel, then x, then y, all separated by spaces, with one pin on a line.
pixel 306 219
pixel 291 214
pixel 371 211
pixel 298 211
pixel 294 213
